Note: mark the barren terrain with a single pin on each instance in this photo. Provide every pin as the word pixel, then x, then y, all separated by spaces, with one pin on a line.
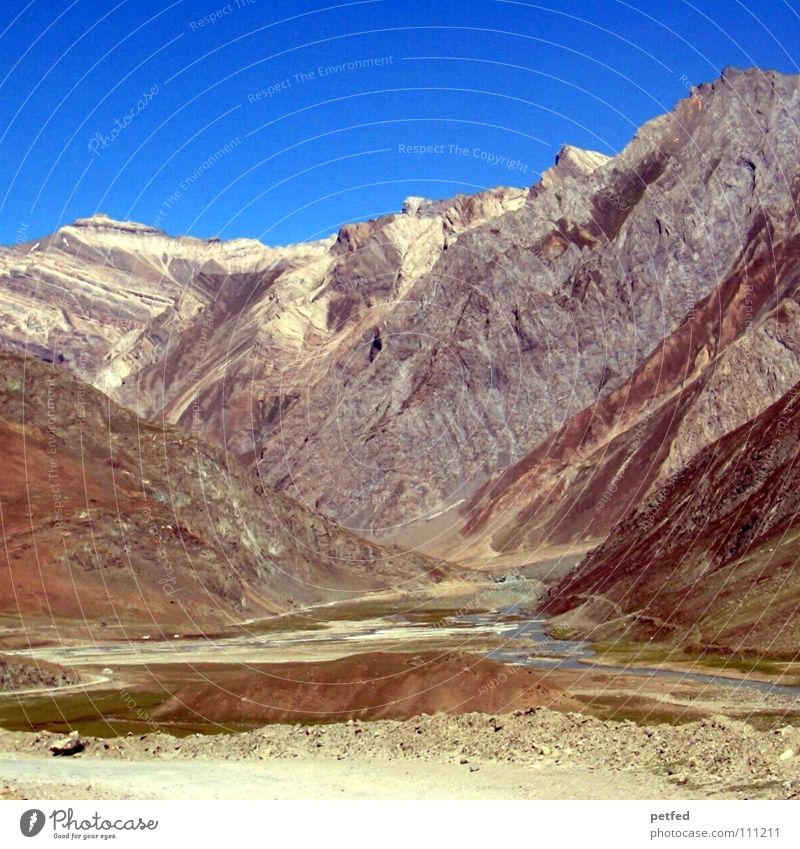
pixel 495 497
pixel 536 753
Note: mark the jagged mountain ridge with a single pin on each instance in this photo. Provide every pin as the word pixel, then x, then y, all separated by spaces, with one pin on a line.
pixel 404 365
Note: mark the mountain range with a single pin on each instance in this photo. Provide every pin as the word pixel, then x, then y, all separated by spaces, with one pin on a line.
pixel 597 364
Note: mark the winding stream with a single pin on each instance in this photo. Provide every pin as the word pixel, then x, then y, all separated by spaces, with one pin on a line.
pixel 502 636
pixel 578 654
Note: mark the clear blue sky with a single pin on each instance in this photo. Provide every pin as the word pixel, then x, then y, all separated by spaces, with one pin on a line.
pixel 508 82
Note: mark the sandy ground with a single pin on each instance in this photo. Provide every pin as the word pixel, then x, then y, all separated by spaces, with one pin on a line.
pixel 537 753
pixel 317 778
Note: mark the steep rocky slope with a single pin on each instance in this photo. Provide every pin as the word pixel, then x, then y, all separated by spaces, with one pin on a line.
pixel 532 318
pixel 107 517
pixel 512 358
pixel 731 353
pixel 737 352
pixel 709 559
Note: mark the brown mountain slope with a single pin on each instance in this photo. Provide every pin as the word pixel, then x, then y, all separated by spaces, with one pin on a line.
pixel 710 558
pixel 106 516
pixel 689 392
pixel 385 374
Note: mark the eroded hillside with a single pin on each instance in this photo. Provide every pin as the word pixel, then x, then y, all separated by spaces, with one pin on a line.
pixel 109 518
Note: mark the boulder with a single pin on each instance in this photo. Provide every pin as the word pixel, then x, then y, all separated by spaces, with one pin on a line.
pixel 71 745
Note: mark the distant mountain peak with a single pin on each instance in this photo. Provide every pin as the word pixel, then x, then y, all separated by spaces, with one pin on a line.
pixel 585 161
pixel 105 222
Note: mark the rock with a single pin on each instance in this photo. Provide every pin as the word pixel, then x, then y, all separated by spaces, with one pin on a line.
pixel 290 532
pixel 585 161
pixel 71 745
pixel 474 768
pixel 510 578
pixel 412 205
pixel 786 755
pixel 596 297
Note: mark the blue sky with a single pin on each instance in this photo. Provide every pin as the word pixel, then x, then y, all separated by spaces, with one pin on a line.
pixel 281 121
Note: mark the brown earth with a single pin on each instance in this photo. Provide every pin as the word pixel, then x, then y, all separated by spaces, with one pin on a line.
pixel 107 518
pixel 375 685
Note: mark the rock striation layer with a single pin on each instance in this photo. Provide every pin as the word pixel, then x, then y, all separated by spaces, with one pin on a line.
pixel 488 375
pixel 115 521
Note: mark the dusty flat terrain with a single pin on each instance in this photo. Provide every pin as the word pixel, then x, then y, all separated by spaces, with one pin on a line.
pixel 536 753
pixel 317 778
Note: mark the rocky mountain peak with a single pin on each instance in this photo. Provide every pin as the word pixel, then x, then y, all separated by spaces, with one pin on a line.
pixel 101 221
pixel 414 205
pixel 585 161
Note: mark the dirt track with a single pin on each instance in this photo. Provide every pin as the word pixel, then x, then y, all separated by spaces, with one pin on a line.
pixel 319 778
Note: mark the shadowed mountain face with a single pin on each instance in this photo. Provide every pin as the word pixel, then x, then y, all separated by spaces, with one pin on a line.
pixel 709 559
pixel 485 376
pixel 109 517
